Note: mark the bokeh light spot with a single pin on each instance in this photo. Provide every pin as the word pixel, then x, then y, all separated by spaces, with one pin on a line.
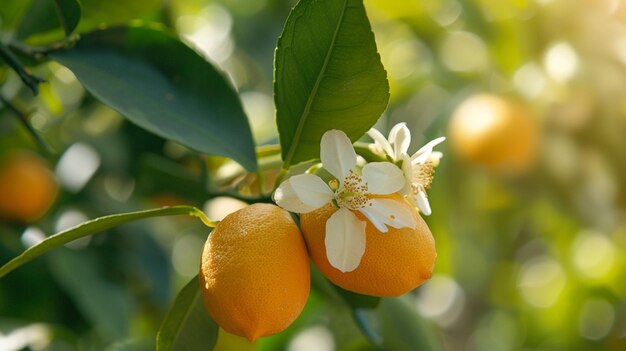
pixel 561 62
pixel 186 255
pixel 596 319
pixel 315 338
pixel 541 281
pixel 221 206
pixel 464 52
pixel 441 299
pixel 593 254
pixel 77 165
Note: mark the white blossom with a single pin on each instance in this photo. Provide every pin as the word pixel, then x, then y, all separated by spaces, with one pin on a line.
pixel 350 191
pixel 418 168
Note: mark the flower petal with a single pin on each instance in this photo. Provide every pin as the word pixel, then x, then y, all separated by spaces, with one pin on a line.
pixel 421 158
pixel 435 158
pixel 381 141
pixel 312 190
pixel 407 169
pixel 345 240
pixel 426 149
pixel 400 137
pixel 422 203
pixel 383 178
pixel 388 212
pixel 337 154
pixel 303 193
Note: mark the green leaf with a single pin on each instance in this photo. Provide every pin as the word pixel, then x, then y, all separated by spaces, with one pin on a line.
pixel 40 17
pixel 355 300
pixel 68 12
pixel 116 12
pixel 165 87
pixel 79 272
pixel 402 329
pixel 11 12
pixel 187 326
pixel 36 21
pixel 328 75
pixel 92 227
pixel 47 15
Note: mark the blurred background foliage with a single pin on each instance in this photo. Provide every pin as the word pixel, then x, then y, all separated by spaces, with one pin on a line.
pixel 527 261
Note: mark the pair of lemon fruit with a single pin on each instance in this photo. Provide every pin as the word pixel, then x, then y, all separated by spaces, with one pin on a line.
pixel 255 276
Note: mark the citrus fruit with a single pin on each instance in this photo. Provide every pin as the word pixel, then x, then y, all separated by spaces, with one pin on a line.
pixel 27 187
pixel 255 276
pixel 494 131
pixel 393 263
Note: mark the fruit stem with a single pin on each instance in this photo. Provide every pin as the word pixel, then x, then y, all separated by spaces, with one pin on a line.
pixel 195 212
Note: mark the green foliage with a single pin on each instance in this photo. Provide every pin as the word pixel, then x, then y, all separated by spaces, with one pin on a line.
pixel 162 85
pixel 187 326
pixel 69 14
pixel 328 75
pixel 38 19
pixel 33 20
pixel 402 329
pixel 89 228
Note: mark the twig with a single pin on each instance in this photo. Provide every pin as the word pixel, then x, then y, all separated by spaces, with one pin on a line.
pixel 23 117
pixel 39 52
pixel 30 80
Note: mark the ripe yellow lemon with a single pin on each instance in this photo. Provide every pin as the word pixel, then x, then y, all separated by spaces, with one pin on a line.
pixel 27 187
pixel 254 274
pixel 393 263
pixel 495 132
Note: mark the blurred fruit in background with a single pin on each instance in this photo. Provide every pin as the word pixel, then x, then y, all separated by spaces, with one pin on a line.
pixel 494 131
pixel 27 187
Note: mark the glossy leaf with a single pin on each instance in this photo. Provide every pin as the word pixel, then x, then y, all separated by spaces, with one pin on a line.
pixel 79 272
pixel 92 227
pixel 11 12
pixel 403 329
pixel 40 16
pixel 116 12
pixel 328 74
pixel 355 300
pixel 165 87
pixel 49 15
pixel 45 21
pixel 68 12
pixel 187 326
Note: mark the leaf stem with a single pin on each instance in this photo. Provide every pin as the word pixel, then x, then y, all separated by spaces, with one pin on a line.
pixel 27 78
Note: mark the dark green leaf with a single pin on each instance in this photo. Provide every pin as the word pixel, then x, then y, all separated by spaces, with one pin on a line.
pixel 69 14
pixel 49 15
pixel 88 228
pixel 11 12
pixel 358 300
pixel 359 305
pixel 162 85
pixel 402 329
pixel 328 75
pixel 109 306
pixel 45 21
pixel 115 12
pixel 40 17
pixel 187 326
